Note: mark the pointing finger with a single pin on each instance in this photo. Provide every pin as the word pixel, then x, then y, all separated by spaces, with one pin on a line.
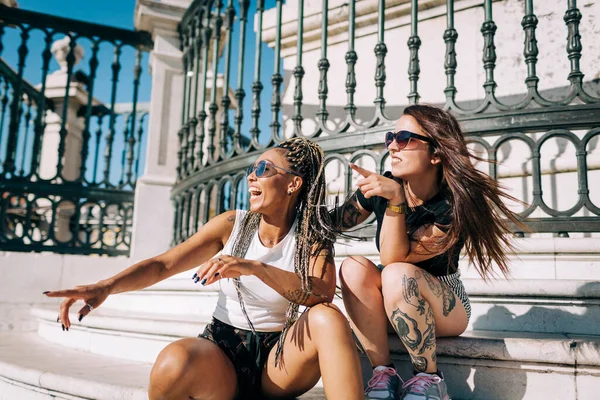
pixel 76 293
pixel 364 172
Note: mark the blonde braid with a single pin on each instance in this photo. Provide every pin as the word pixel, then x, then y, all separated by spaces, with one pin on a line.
pixel 314 229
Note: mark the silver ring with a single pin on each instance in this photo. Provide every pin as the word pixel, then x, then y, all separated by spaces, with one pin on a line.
pixel 88 305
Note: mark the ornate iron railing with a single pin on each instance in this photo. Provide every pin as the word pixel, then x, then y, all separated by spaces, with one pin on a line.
pixel 211 163
pixel 63 186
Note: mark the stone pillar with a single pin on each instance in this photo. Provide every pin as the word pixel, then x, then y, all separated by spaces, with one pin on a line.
pixel 76 96
pixel 56 88
pixel 10 3
pixel 153 212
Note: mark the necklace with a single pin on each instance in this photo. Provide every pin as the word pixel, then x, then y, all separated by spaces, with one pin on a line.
pixel 272 241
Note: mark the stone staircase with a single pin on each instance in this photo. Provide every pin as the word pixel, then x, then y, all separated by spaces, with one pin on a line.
pixel 534 336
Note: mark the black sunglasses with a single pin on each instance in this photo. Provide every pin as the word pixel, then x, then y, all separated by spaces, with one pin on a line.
pixel 403 137
pixel 264 169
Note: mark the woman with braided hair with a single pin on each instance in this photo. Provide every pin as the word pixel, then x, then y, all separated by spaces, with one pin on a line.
pixel 267 262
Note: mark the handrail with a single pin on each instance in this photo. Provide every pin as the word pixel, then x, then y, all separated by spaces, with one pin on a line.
pixel 17 16
pixel 27 88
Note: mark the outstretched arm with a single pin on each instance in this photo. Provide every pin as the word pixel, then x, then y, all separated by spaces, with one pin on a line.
pixel 202 246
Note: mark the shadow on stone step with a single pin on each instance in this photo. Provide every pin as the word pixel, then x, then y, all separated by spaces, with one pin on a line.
pixel 541 319
pixel 510 383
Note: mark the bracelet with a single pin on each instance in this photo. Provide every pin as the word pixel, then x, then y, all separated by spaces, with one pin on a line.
pixel 400 208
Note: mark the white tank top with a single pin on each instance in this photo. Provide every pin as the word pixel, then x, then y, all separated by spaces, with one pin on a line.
pixel 265 307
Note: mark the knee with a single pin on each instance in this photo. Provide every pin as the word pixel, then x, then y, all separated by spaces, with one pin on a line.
pixel 170 366
pixel 397 277
pixel 324 317
pixel 357 272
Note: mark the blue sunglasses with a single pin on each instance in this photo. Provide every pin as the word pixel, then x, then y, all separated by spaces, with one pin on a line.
pixel 264 169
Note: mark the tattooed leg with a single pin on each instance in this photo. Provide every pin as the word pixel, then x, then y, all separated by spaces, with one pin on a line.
pixel 440 289
pixel 413 321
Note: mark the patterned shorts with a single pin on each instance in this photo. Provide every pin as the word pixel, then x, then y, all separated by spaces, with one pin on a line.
pixel 247 351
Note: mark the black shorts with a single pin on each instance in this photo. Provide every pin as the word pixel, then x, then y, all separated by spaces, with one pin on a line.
pixel 247 351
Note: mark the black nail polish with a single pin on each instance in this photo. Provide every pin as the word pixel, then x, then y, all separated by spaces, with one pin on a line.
pixel 46 292
pixel 80 317
pixel 67 329
pixel 203 281
pixel 216 274
pixel 57 319
pixel 194 277
pixel 63 326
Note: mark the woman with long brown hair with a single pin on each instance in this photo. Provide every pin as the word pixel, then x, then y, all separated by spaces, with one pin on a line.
pixel 267 261
pixel 430 205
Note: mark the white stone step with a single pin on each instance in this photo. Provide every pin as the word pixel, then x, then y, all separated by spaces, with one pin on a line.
pixel 483 365
pixel 545 306
pixel 476 364
pixel 126 335
pixel 33 369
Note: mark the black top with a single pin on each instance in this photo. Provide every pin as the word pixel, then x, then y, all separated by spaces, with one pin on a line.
pixel 434 211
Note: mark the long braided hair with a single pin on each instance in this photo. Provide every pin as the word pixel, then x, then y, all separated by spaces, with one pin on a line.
pixel 315 230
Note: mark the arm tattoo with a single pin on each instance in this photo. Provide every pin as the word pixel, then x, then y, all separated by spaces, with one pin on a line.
pixel 298 296
pixel 350 214
pixel 231 218
pixel 400 322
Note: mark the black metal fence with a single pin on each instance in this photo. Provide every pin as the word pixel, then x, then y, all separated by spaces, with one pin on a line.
pixel 211 161
pixel 68 162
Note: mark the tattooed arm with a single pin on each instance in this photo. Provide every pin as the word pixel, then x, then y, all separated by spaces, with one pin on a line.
pixel 350 214
pixel 397 246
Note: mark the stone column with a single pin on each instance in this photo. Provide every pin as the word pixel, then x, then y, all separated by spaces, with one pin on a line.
pixel 10 3
pixel 76 96
pixel 153 213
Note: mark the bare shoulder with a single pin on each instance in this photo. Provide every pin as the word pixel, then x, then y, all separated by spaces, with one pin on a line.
pixel 226 222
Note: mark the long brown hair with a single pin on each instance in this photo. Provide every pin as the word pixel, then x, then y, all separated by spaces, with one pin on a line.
pixel 475 198
pixel 314 228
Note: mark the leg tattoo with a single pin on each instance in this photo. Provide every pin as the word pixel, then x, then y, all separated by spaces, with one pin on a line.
pixel 429 335
pixel 448 298
pixel 410 289
pixel 400 323
pixel 419 363
pixel 441 289
pixel 416 328
pixel 434 285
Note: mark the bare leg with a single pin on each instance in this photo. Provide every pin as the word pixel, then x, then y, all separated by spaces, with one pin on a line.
pixel 192 368
pixel 420 307
pixel 363 298
pixel 319 343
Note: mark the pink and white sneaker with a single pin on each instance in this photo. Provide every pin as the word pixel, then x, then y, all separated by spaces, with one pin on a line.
pixel 425 387
pixel 383 385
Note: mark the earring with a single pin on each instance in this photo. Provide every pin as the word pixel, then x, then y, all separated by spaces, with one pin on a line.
pixel 290 192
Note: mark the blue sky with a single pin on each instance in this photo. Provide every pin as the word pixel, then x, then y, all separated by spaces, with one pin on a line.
pixel 120 13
